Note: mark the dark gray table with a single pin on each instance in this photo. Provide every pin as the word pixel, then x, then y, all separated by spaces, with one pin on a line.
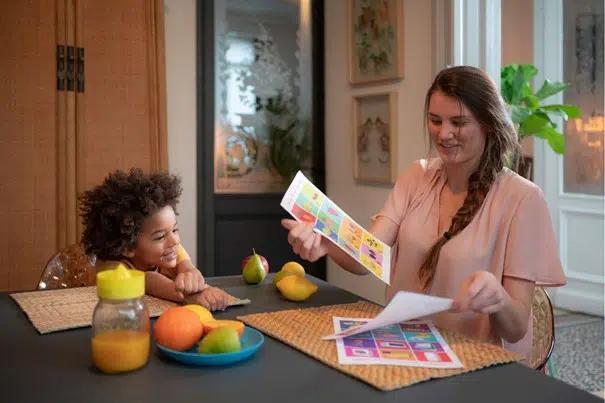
pixel 56 368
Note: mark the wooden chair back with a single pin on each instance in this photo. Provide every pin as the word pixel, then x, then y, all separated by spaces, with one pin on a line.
pixel 543 322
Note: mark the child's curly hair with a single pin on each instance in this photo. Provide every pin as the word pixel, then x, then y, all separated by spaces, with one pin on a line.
pixel 113 211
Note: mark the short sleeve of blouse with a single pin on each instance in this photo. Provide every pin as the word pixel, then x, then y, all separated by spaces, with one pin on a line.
pixel 400 196
pixel 531 247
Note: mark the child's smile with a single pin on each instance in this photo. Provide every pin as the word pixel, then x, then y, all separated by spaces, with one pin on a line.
pixel 157 241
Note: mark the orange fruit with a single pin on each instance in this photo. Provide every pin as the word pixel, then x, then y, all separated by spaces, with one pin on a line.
pixel 178 328
pixel 215 324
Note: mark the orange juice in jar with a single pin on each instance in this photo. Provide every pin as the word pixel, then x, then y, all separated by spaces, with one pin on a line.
pixel 120 325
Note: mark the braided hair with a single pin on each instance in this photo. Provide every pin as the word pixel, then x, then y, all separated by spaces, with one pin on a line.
pixel 477 91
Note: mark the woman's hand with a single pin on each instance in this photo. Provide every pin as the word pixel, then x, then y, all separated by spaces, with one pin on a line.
pixel 213 299
pixel 481 292
pixel 305 242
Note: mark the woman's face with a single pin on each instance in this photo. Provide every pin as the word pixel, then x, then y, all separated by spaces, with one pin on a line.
pixel 157 241
pixel 455 132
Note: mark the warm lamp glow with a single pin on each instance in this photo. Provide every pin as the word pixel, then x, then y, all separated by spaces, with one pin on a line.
pixel 589 133
pixel 586 131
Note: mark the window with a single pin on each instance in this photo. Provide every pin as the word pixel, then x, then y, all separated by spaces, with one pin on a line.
pixel 583 69
pixel 240 102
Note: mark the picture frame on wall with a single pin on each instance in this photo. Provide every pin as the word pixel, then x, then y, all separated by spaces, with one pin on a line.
pixel 375 37
pixel 375 137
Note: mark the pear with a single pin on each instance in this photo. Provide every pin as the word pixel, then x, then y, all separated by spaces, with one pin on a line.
pixel 296 288
pixel 280 275
pixel 254 270
pixel 220 340
pixel 294 268
pixel 287 269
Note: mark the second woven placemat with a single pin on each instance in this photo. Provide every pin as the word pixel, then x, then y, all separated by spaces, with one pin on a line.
pixel 69 308
pixel 303 329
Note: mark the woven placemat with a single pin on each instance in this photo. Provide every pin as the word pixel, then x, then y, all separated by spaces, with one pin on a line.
pixel 69 308
pixel 303 329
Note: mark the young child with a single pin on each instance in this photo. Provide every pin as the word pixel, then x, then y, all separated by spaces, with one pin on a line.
pixel 131 218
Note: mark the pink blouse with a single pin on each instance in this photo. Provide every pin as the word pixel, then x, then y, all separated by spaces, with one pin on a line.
pixel 511 235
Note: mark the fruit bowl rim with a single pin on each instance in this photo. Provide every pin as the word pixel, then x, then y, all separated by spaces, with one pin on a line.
pixel 193 353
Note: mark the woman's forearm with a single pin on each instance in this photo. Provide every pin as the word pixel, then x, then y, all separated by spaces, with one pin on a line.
pixel 511 322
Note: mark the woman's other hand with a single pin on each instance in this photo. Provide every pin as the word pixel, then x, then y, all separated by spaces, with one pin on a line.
pixel 481 292
pixel 305 242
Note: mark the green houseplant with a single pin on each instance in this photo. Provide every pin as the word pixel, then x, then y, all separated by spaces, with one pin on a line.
pixel 528 111
pixel 289 142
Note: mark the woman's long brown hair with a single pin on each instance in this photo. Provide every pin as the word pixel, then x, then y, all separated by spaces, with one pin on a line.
pixel 473 88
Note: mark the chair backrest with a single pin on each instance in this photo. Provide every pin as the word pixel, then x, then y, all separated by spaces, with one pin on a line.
pixel 543 329
pixel 68 268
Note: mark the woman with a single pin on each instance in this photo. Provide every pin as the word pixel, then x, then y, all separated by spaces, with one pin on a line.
pixel 463 226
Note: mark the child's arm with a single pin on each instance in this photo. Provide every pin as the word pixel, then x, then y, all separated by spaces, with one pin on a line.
pixel 212 298
pixel 187 278
pixel 176 283
pixel 160 286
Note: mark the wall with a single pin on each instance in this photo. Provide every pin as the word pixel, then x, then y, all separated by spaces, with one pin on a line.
pixel 180 34
pixel 360 202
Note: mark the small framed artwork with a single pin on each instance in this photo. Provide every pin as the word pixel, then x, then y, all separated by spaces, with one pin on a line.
pixel 375 134
pixel 375 36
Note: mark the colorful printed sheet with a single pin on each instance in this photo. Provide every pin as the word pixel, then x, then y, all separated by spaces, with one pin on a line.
pixel 413 343
pixel 306 203
pixel 403 307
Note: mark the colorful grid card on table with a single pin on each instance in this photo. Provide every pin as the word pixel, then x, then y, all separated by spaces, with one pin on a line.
pixel 413 343
pixel 306 203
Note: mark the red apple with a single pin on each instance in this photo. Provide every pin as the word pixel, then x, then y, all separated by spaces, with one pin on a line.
pixel 262 259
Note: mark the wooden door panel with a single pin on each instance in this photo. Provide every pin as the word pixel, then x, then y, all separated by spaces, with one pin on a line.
pixel 118 123
pixel 28 123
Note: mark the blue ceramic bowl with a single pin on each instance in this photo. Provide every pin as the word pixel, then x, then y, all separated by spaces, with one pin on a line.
pixel 251 340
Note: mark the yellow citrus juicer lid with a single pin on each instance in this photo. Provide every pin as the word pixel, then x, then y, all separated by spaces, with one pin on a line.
pixel 120 283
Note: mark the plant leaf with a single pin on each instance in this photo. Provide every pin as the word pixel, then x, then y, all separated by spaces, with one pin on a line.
pixel 550 88
pixel 531 102
pixel 567 111
pixel 507 75
pixel 534 123
pixel 518 113
pixel 521 85
pixel 555 139
pixel 515 82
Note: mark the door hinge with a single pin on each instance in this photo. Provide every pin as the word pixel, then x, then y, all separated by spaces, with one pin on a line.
pixel 60 68
pixel 80 63
pixel 71 67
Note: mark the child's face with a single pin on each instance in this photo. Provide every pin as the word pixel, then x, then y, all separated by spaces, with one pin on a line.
pixel 157 241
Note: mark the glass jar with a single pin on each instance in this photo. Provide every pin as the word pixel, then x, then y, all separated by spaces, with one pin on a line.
pixel 120 322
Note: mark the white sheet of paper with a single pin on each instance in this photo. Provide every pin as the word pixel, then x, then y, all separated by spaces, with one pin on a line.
pixel 403 307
